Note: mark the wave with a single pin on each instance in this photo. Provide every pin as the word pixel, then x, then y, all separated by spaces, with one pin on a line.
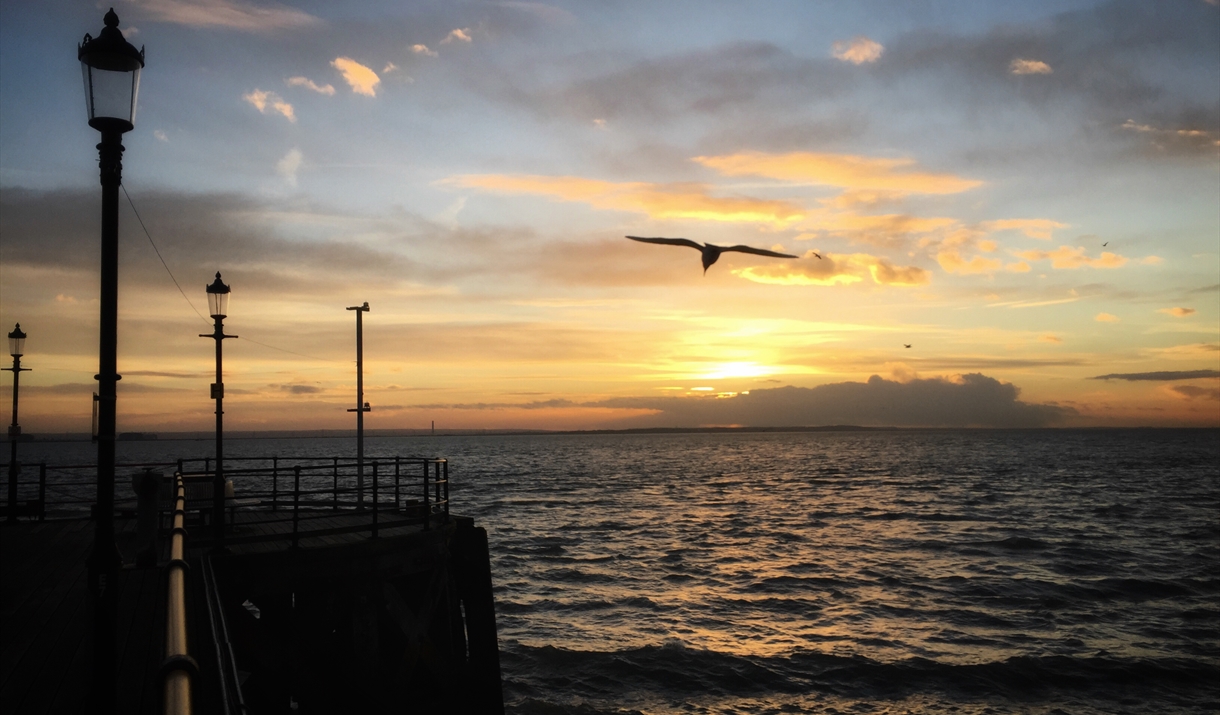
pixel 674 670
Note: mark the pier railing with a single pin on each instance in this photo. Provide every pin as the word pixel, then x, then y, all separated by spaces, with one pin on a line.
pixel 178 666
pixel 392 491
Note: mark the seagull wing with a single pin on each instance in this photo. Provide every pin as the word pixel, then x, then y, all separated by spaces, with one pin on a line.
pixel 669 241
pixel 757 251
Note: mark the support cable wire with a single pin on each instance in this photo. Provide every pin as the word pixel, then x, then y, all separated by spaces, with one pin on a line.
pixel 188 300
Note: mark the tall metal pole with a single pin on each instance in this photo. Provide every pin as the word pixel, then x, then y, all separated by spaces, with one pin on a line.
pixel 14 433
pixel 218 394
pixel 361 405
pixel 104 561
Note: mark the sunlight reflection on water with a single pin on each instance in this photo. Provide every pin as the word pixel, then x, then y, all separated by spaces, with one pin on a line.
pixel 844 571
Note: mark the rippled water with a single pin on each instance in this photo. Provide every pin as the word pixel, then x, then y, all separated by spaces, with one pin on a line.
pixel 845 572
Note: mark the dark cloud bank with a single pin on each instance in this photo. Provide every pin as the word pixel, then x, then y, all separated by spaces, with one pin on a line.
pixel 973 400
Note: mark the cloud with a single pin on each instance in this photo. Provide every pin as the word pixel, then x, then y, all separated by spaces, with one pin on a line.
pixel 459 35
pixel 858 50
pixel 361 79
pixel 1040 228
pixel 309 84
pixel 952 261
pixel 1020 66
pixel 972 400
pixel 299 389
pixel 845 170
pixel 1106 318
pixel 389 67
pixel 160 135
pixel 836 269
pixel 1068 257
pixel 1192 392
pixel 264 100
pixel 287 166
pixel 1051 339
pixel 230 14
pixel 1182 140
pixel 423 50
pixel 1177 312
pixel 1160 376
pixel 662 201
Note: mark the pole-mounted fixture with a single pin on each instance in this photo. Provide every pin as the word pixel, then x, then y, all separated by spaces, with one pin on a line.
pixel 16 348
pixel 218 308
pixel 111 68
pixel 361 405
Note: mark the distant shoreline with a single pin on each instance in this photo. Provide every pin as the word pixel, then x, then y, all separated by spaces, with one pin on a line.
pixel 350 434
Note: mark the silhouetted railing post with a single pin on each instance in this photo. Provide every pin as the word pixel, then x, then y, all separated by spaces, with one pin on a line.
pixel 335 486
pixel 180 466
pixel 436 482
pixel 296 503
pixel 426 509
pixel 397 506
pixel 42 491
pixel 275 484
pixel 446 464
pixel 375 502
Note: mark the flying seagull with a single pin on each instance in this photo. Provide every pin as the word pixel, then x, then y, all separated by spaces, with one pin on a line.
pixel 1107 243
pixel 906 345
pixel 711 253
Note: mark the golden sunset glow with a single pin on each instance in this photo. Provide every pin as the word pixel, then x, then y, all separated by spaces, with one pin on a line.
pixel 1021 224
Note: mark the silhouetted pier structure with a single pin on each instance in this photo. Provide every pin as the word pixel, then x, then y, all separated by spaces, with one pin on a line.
pixel 323 598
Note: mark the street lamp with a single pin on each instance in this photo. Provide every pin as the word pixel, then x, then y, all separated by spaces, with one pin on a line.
pixel 218 308
pixel 361 405
pixel 16 348
pixel 111 69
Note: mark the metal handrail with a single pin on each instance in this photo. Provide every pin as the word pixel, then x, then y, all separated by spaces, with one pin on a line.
pixel 68 490
pixel 179 668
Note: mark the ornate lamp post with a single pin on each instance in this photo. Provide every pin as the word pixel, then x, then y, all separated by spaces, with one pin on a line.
pixel 16 347
pixel 361 405
pixel 111 68
pixel 218 308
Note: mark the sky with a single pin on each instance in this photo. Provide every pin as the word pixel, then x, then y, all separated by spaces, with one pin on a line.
pixel 1005 214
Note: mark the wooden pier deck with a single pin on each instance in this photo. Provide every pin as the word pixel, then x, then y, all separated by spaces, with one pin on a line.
pixel 45 632
pixel 46 617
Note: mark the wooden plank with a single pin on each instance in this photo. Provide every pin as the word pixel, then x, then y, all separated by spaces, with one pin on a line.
pixel 33 684
pixel 35 614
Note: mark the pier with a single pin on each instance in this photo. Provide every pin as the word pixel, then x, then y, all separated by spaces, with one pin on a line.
pixel 325 595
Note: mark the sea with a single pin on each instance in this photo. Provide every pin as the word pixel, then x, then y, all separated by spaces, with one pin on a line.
pixel 1058 572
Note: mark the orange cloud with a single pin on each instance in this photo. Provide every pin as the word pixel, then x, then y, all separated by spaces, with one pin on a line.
pixel 952 261
pixel 1106 318
pixel 845 170
pixel 1177 312
pixel 1040 228
pixel 361 79
pixel 687 201
pixel 311 85
pixel 461 34
pixel 1070 258
pixel 423 50
pixel 1020 66
pixel 858 50
pixel 262 100
pixel 1051 339
pixel 836 269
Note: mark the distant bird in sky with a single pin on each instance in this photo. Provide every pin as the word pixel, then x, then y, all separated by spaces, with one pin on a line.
pixel 906 345
pixel 1107 243
pixel 711 253
pixel 817 254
